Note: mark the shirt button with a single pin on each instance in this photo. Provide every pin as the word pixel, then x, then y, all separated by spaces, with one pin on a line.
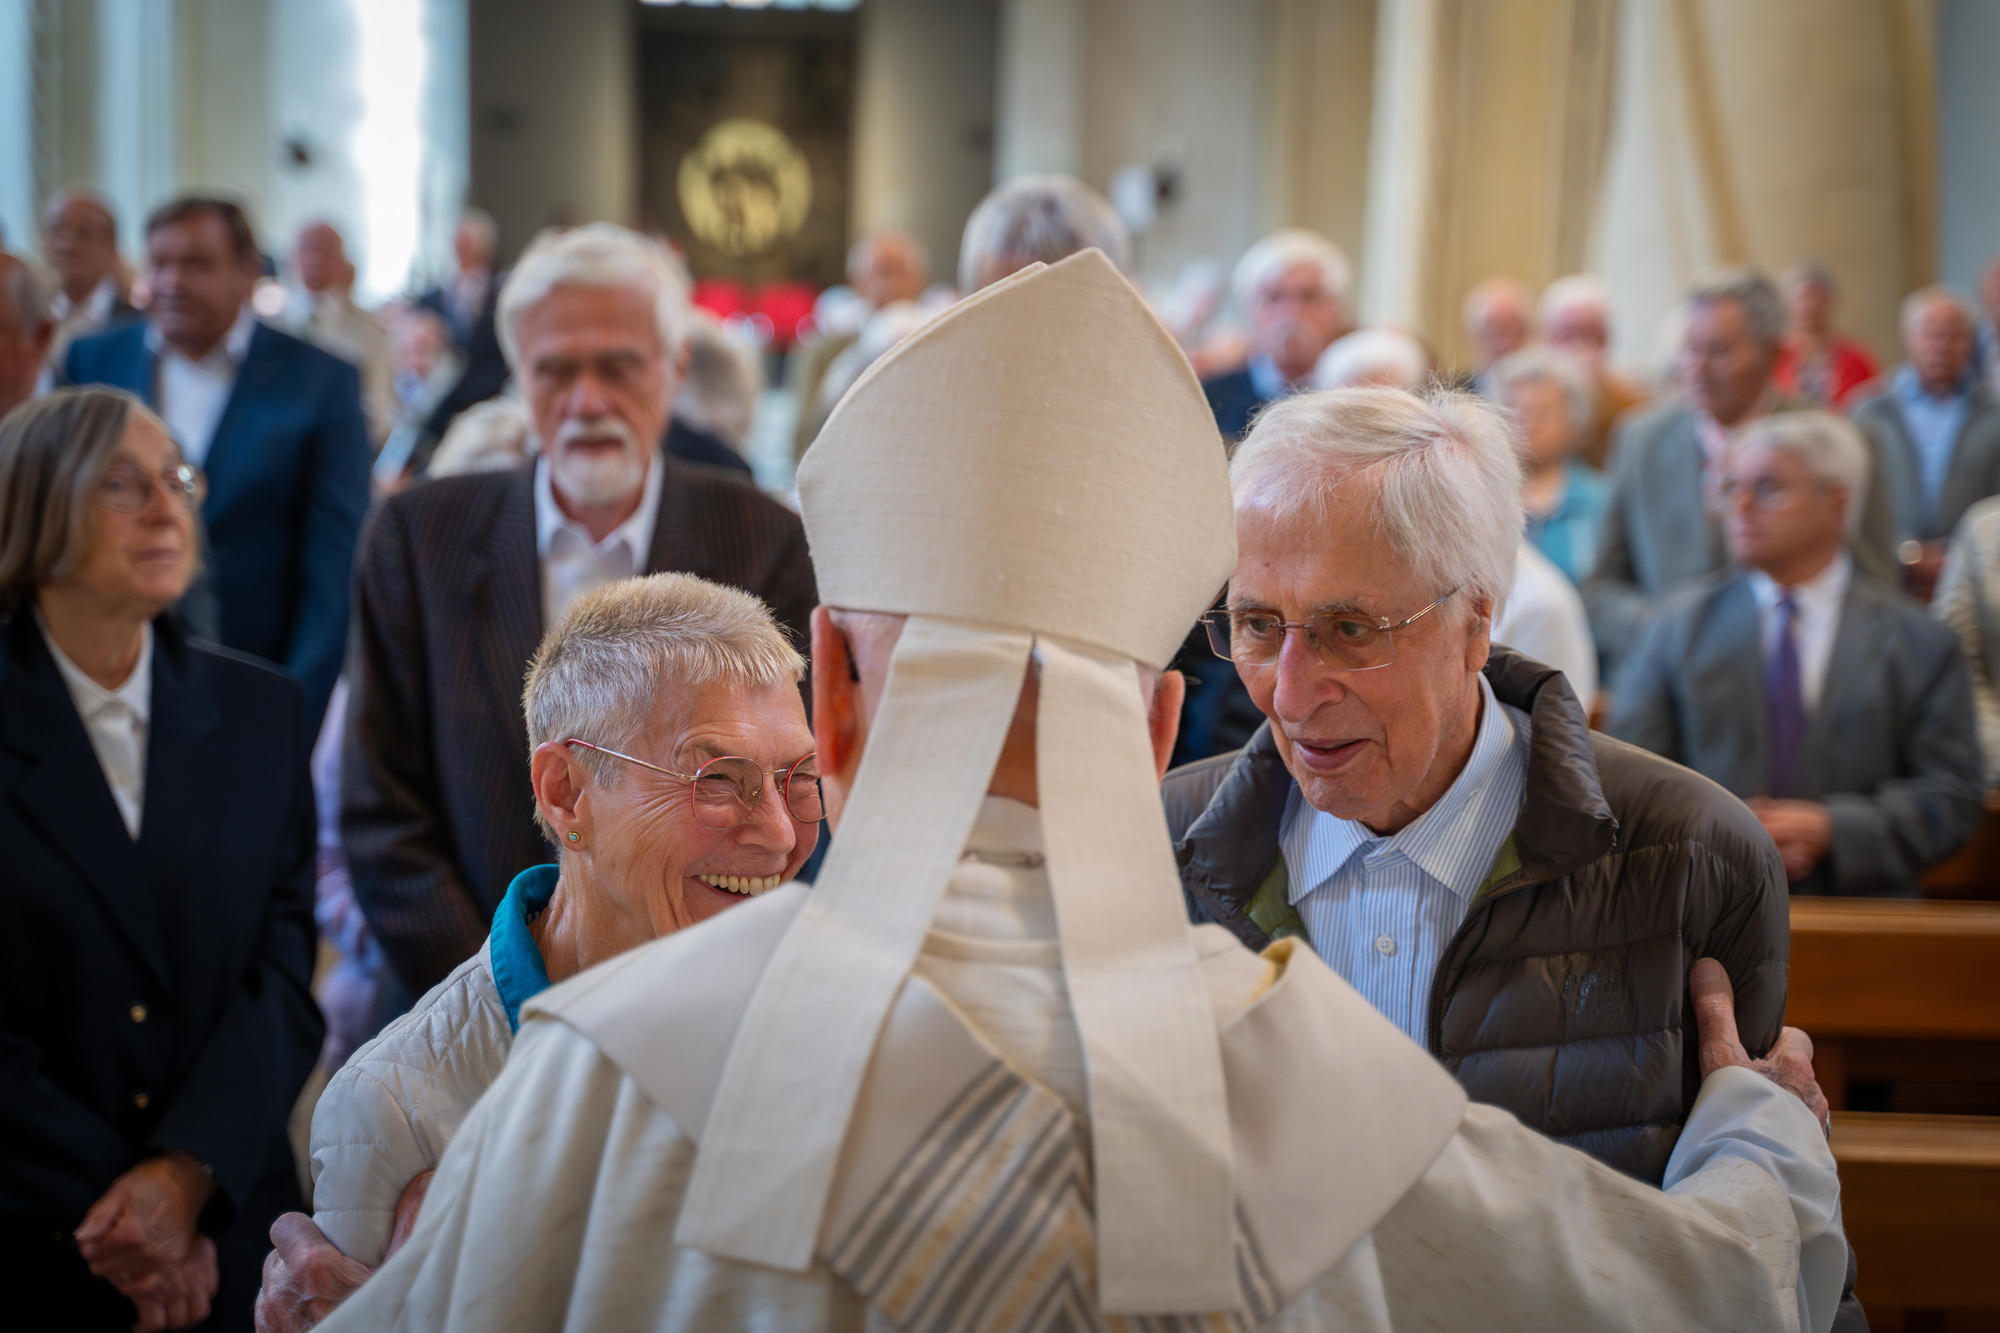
pixel 1384 945
pixel 141 1100
pixel 138 1012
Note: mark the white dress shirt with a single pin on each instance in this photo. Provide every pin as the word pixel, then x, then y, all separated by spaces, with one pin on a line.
pixel 1544 618
pixel 116 722
pixel 1815 621
pixel 1380 911
pixel 572 564
pixel 194 394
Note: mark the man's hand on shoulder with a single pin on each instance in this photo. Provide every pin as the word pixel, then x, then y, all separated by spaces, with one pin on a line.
pixel 305 1277
pixel 1789 1062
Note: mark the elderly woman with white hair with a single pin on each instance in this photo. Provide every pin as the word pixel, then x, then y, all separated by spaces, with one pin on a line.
pixel 1433 815
pixel 673 769
pixel 1037 220
pixel 1550 397
pixel 1807 687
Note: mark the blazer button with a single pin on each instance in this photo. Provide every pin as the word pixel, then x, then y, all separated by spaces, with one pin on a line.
pixel 138 1012
pixel 141 1100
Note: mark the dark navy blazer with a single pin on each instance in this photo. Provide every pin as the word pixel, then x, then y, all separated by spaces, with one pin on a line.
pixel 155 993
pixel 287 489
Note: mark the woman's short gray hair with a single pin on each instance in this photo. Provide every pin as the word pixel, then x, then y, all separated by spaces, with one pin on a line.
pixel 1830 448
pixel 601 673
pixel 1265 262
pixel 54 451
pixel 601 254
pixel 1536 364
pixel 1038 219
pixel 1446 468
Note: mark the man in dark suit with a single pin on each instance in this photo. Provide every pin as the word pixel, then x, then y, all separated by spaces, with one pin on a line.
pixel 467 304
pixel 1936 430
pixel 1292 288
pixel 80 239
pixel 1662 531
pixel 1837 709
pixel 275 422
pixel 459 577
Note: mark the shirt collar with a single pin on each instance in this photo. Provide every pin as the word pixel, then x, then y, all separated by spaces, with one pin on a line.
pixel 636 531
pixel 519 972
pixel 1269 382
pixel 95 307
pixel 235 344
pixel 1456 840
pixel 136 694
pixel 1911 389
pixel 1822 592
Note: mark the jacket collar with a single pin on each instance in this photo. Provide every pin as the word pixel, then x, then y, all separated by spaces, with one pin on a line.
pixel 506 594
pixel 1565 822
pixel 62 789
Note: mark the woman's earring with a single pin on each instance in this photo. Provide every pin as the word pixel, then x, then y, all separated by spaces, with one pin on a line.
pixel 574 836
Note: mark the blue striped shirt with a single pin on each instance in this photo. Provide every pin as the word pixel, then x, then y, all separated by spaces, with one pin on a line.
pixel 1380 911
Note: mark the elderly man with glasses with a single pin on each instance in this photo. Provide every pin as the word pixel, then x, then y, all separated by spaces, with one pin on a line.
pixel 1433 814
pixel 674 772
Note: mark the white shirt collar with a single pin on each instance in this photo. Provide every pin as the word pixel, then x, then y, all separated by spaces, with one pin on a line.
pixel 235 344
pixel 1822 593
pixel 136 693
pixel 636 531
pixel 95 308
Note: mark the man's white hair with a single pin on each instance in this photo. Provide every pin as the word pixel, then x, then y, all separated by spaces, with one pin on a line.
pixel 1444 464
pixel 1923 298
pixel 601 254
pixel 1830 448
pixel 724 378
pixel 1038 219
pixel 1372 356
pixel 492 436
pixel 622 651
pixel 1268 260
pixel 1536 364
pixel 1577 291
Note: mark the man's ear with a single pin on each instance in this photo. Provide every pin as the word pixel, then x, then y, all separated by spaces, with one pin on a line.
pixel 1163 717
pixel 1479 636
pixel 836 695
pixel 559 779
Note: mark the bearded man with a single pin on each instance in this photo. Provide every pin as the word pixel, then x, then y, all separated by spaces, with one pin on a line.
pixel 458 578
pixel 985 1075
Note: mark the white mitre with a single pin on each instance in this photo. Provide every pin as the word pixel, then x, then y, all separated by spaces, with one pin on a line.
pixel 1036 472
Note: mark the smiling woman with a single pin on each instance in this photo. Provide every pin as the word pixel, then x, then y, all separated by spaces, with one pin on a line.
pixel 672 767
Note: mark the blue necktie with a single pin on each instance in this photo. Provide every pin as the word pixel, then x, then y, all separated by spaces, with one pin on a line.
pixel 1785 695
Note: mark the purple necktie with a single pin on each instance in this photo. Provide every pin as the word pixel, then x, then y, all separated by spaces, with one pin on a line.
pixel 1786 699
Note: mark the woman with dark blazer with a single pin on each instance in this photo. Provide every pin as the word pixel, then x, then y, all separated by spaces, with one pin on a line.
pixel 156 863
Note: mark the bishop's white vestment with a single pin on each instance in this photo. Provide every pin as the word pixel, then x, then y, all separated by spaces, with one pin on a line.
pixel 1370 1195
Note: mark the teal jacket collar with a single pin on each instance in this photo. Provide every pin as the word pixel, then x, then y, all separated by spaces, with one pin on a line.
pixel 519 973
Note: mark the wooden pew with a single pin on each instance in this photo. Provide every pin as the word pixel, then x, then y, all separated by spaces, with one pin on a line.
pixel 1912 987
pixel 1920 1195
pixel 1975 871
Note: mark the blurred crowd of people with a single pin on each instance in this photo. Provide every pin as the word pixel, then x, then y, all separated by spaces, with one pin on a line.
pixel 1777 564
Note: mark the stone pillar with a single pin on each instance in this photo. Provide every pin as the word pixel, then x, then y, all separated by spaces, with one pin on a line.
pixel 1039 127
pixel 1321 110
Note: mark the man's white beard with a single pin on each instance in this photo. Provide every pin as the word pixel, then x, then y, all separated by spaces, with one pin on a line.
pixel 596 479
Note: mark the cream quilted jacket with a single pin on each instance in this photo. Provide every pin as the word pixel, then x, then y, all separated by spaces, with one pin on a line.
pixel 392 1109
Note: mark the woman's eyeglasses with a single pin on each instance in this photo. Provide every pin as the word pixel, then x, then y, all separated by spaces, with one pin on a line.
pixel 128 488
pixel 725 790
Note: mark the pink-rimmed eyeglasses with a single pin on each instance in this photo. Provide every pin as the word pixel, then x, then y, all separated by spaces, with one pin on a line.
pixel 725 790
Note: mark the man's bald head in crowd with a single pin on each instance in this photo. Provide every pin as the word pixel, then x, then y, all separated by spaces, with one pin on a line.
pixel 80 237
pixel 25 330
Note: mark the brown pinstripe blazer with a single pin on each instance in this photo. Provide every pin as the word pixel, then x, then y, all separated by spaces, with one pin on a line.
pixel 436 814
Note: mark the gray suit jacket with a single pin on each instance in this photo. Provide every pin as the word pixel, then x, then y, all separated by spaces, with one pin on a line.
pixel 1891 749
pixel 1657 537
pixel 1973 475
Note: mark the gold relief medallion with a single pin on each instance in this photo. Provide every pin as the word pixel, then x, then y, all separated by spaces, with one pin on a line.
pixel 744 187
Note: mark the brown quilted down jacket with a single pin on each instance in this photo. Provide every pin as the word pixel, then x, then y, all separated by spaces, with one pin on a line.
pixel 1563 996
